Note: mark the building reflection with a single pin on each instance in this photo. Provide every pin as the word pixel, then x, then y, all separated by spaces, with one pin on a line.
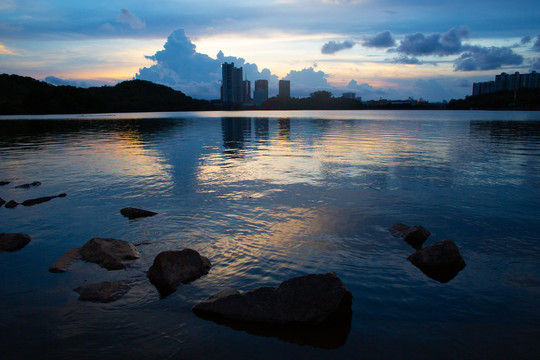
pixel 236 131
pixel 262 131
pixel 284 129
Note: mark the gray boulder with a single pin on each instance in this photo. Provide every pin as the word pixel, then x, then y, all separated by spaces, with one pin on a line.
pixel 170 268
pixel 62 264
pixel 104 292
pixel 440 261
pixel 109 253
pixel 13 242
pixel 413 235
pixel 309 299
pixel 134 213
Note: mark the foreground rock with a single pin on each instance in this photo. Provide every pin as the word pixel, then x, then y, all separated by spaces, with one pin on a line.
pixel 440 261
pixel 413 235
pixel 40 200
pixel 309 299
pixel 170 268
pixel 69 258
pixel 13 242
pixel 12 204
pixel 134 213
pixel 109 253
pixel 26 186
pixel 2 201
pixel 104 292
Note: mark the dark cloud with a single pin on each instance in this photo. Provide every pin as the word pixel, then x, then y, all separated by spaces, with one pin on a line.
pixel 536 64
pixel 380 40
pixel 448 43
pixel 486 58
pixel 525 40
pixel 126 17
pixel 463 83
pixel 536 45
pixel 405 60
pixel 332 47
pixel 180 66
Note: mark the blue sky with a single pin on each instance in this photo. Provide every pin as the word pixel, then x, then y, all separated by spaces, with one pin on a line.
pixel 386 48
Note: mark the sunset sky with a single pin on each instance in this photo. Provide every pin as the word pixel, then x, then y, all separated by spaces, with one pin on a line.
pixel 378 49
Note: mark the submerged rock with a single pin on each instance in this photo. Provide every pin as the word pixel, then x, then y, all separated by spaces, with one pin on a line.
pixel 26 186
pixel 133 213
pixel 413 235
pixel 109 253
pixel 62 264
pixel 106 291
pixel 12 204
pixel 40 200
pixel 170 268
pixel 2 201
pixel 2 183
pixel 309 299
pixel 440 261
pixel 13 242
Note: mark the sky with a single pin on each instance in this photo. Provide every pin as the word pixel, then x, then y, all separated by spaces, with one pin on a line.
pixel 387 49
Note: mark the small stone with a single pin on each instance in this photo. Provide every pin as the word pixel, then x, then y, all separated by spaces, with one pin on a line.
pixel 105 292
pixel 133 213
pixel 440 261
pixel 413 235
pixel 2 183
pixel 26 186
pixel 109 253
pixel 62 264
pixel 13 242
pixel 12 204
pixel 40 200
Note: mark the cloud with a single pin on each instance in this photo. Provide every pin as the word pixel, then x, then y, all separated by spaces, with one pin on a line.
pixel 486 58
pixel 536 64
pixel 181 67
pixel 380 40
pixel 405 60
pixel 463 83
pixel 74 82
pixel 126 17
pixel 5 51
pixel 305 81
pixel 448 43
pixel 332 47
pixel 536 45
pixel 525 40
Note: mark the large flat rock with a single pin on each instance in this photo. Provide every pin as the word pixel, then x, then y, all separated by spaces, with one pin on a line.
pixel 62 264
pixel 105 292
pixel 110 254
pixel 308 299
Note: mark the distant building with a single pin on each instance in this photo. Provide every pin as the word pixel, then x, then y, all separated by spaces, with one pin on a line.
pixel 507 82
pixel 284 89
pixel 231 86
pixel 349 95
pixel 260 94
pixel 246 92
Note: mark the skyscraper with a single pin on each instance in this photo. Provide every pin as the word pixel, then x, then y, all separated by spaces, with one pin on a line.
pixel 246 92
pixel 260 94
pixel 284 88
pixel 231 86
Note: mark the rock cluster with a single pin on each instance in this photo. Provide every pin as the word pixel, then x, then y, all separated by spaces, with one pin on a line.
pixel 308 299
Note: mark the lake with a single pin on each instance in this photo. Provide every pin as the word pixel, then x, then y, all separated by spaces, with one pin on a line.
pixel 267 196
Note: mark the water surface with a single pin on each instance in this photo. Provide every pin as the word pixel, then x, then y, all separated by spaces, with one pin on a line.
pixel 268 196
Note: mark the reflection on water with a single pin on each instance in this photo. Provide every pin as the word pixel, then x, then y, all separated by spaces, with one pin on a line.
pixel 267 198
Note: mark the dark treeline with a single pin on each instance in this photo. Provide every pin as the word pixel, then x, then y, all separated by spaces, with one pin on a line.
pixel 319 100
pixel 521 99
pixel 24 95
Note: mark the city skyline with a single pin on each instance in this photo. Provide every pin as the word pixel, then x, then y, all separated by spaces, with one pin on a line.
pixel 379 49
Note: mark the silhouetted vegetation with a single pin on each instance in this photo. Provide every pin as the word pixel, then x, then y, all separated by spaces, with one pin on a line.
pixel 24 95
pixel 522 99
pixel 319 100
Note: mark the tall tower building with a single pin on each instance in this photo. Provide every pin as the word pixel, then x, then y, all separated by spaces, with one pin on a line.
pixel 246 91
pixel 231 85
pixel 260 94
pixel 284 89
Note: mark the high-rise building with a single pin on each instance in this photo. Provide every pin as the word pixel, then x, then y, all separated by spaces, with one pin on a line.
pixel 260 94
pixel 508 82
pixel 231 86
pixel 349 95
pixel 284 88
pixel 246 92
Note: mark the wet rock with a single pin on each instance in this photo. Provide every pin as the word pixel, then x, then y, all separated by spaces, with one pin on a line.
pixel 40 200
pixel 309 299
pixel 11 204
pixel 440 261
pixel 2 183
pixel 134 213
pixel 62 264
pixel 2 201
pixel 413 235
pixel 13 242
pixel 105 292
pixel 26 186
pixel 170 268
pixel 109 253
